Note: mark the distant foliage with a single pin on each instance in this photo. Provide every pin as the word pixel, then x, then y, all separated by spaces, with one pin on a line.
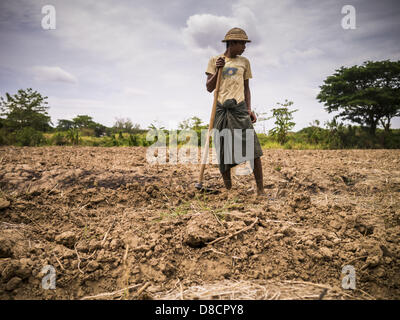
pixel 126 125
pixel 194 123
pixel 336 135
pixel 24 122
pixel 368 95
pixel 73 136
pixel 59 139
pixel 29 137
pixel 26 108
pixel 83 123
pixel 283 121
pixel 64 125
pixel 133 140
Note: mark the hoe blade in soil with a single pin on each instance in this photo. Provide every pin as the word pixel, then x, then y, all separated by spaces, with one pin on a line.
pixel 200 187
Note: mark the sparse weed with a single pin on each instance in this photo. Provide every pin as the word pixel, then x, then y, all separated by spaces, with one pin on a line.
pixel 180 210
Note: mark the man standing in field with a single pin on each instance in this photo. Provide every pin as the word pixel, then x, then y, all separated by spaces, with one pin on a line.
pixel 234 106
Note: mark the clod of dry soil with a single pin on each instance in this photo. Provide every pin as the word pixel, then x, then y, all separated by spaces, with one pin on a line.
pixel 105 219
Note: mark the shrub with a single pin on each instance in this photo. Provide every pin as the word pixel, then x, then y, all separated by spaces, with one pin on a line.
pixel 288 145
pixel 133 140
pixel 6 138
pixel 59 139
pixel 73 136
pixel 391 140
pixel 87 132
pixel 29 137
pixel 283 121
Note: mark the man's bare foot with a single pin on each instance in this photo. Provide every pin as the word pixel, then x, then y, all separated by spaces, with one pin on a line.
pixel 228 186
pixel 263 196
pixel 261 192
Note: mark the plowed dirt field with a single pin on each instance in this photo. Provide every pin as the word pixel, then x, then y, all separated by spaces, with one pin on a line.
pixel 114 226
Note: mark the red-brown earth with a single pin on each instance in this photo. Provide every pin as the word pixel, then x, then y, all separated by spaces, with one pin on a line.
pixel 106 220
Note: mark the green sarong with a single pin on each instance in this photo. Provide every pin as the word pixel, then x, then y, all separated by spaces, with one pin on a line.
pixel 232 115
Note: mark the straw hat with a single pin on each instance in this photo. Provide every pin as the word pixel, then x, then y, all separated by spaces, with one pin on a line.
pixel 236 34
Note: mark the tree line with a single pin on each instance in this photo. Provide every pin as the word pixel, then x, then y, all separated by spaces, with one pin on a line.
pixel 367 96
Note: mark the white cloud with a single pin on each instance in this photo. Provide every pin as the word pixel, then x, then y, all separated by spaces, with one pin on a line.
pixel 57 74
pixel 203 32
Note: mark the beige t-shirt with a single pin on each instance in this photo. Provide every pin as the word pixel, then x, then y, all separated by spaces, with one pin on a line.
pixel 235 71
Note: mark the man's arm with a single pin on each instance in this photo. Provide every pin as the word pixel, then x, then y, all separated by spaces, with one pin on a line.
pixel 247 98
pixel 212 78
pixel 211 81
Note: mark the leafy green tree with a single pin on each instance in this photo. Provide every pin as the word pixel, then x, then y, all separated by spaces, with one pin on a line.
pixel 85 124
pixel 336 134
pixel 368 94
pixel 157 132
pixel 184 125
pixel 28 136
pixel 313 134
pixel 64 125
pixel 283 121
pixel 126 125
pixel 98 128
pixel 133 140
pixel 156 125
pixel 82 121
pixel 194 123
pixel 59 139
pixel 27 108
pixel 73 136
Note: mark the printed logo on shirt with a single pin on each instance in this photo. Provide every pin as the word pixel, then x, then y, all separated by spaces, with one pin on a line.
pixel 229 72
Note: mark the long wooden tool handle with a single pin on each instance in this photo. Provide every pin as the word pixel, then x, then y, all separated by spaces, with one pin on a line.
pixel 210 127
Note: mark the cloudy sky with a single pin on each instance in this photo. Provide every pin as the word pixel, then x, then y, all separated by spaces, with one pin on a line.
pixel 145 60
